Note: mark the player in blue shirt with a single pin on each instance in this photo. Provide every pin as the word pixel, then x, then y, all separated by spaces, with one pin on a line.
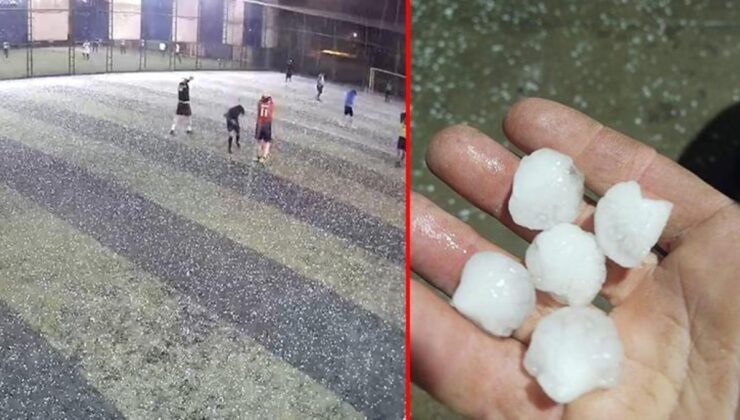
pixel 349 102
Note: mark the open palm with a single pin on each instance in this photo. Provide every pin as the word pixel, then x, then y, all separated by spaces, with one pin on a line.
pixel 678 318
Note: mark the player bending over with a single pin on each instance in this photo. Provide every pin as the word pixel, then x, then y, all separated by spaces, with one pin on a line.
pixel 232 123
pixel 183 112
pixel 401 145
pixel 319 86
pixel 263 130
pixel 349 103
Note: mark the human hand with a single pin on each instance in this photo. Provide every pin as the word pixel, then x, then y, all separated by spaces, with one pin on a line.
pixel 678 318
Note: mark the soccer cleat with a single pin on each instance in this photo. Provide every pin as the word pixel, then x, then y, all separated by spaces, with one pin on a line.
pixel 189 131
pixel 258 158
pixel 172 132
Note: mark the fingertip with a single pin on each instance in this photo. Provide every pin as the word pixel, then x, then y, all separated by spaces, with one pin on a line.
pixel 534 123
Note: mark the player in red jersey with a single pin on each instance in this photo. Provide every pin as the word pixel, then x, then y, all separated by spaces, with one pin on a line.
pixel 263 130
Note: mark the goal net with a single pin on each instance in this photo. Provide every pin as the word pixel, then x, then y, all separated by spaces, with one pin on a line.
pixel 381 80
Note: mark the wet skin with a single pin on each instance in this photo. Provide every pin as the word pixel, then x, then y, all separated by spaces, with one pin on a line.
pixel 678 316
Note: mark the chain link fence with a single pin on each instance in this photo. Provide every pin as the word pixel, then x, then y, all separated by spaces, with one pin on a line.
pixel 65 37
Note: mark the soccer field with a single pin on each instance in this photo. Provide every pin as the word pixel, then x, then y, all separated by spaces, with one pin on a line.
pixel 144 275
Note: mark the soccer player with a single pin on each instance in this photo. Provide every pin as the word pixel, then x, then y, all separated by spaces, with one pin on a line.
pixel 123 47
pixel 289 71
pixel 349 103
pixel 6 48
pixel 319 86
pixel 183 106
pixel 232 124
pixel 177 52
pixel 401 145
pixel 86 50
pixel 263 130
pixel 388 91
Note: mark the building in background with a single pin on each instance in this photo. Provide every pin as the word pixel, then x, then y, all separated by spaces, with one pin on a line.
pixel 342 39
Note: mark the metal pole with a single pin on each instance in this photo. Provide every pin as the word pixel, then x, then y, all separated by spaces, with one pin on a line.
pixel 29 48
pixel 70 39
pixel 197 36
pixel 334 47
pixel 302 40
pixel 226 34
pixel 142 49
pixel 109 62
pixel 172 64
pixel 368 64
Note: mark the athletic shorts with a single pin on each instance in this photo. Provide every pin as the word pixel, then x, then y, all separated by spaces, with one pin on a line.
pixel 232 125
pixel 263 132
pixel 320 88
pixel 183 109
pixel 401 145
pixel 348 111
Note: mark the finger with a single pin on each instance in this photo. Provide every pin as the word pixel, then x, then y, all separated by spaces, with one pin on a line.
pixel 475 374
pixel 442 244
pixel 607 157
pixel 482 170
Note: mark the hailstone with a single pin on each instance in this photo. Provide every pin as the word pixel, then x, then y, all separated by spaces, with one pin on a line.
pixel 547 190
pixel 494 292
pixel 566 262
pixel 627 225
pixel 574 350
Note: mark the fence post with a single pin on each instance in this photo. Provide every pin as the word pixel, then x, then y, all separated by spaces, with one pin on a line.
pixel 197 36
pixel 70 39
pixel 334 47
pixel 171 64
pixel 302 40
pixel 29 47
pixel 109 52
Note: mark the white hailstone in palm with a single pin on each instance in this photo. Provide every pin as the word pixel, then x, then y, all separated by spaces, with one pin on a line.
pixel 494 292
pixel 574 350
pixel 627 225
pixel 566 262
pixel 547 190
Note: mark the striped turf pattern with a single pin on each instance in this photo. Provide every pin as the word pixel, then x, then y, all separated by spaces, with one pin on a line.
pixel 150 276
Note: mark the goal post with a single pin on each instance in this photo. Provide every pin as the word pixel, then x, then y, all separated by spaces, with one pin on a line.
pixel 379 80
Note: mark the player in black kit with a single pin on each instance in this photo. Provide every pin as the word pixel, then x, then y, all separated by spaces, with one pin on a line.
pixel 232 123
pixel 289 71
pixel 183 111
